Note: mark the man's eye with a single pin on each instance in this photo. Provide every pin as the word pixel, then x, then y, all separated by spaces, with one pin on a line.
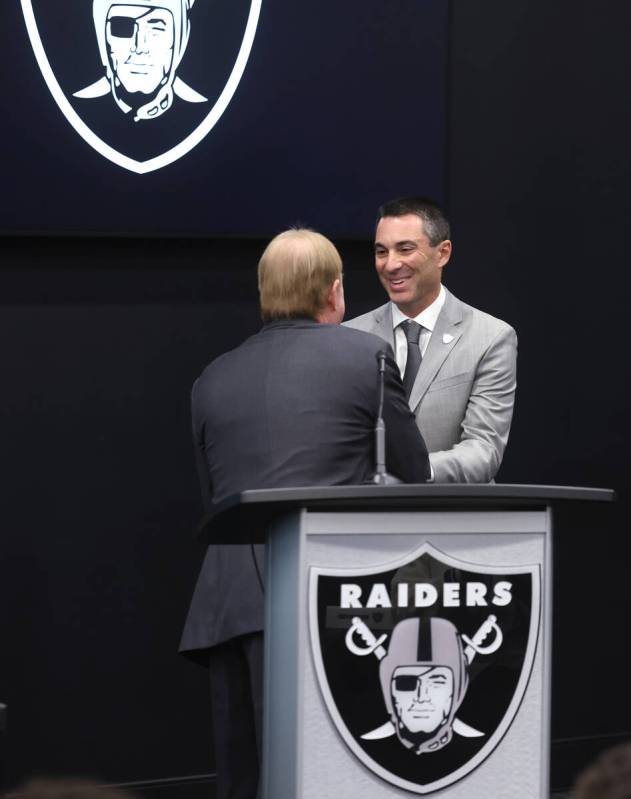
pixel 122 27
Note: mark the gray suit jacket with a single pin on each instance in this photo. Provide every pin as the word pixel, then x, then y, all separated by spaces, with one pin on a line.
pixel 465 389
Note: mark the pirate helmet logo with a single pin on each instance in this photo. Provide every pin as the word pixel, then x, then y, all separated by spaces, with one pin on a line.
pixel 142 111
pixel 141 45
pixel 420 662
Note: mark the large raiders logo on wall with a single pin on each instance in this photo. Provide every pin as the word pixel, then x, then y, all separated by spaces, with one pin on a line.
pixel 423 664
pixel 142 81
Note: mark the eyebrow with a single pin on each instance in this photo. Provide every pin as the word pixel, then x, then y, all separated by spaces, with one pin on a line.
pixel 156 21
pixel 438 678
pixel 401 243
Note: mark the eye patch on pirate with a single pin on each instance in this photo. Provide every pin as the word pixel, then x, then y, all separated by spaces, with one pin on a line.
pixel 408 682
pixel 122 27
pixel 405 682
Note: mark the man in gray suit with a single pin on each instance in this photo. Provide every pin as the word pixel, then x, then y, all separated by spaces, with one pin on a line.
pixel 458 364
pixel 294 405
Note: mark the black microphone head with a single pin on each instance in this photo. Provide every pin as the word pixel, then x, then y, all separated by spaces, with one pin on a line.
pixel 381 359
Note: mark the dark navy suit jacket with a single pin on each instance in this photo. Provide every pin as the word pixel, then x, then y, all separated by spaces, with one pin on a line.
pixel 294 405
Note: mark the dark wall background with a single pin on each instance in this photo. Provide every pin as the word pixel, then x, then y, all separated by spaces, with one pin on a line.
pixel 99 351
pixel 538 193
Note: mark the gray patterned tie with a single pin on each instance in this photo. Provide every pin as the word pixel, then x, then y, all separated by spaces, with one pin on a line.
pixel 412 332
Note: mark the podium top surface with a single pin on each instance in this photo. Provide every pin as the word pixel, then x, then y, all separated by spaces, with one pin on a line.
pixel 242 518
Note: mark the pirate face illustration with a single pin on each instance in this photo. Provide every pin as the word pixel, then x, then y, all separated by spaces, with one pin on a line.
pixel 424 679
pixel 141 44
pixel 140 47
pixel 422 697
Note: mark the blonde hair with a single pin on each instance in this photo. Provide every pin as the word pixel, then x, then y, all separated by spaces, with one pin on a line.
pixel 607 777
pixel 295 273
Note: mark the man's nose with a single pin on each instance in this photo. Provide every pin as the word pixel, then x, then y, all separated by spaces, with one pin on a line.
pixel 140 40
pixel 393 262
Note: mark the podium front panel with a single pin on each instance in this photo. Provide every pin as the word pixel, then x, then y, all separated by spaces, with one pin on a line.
pixel 408 653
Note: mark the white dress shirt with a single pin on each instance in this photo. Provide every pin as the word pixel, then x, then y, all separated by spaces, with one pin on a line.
pixel 427 319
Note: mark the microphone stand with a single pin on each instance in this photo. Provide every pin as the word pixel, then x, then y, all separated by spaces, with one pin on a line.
pixel 381 476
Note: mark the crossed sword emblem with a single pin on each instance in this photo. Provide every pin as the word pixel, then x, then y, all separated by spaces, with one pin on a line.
pixel 374 646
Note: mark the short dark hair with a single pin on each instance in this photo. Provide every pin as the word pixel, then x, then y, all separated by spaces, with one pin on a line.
pixel 435 223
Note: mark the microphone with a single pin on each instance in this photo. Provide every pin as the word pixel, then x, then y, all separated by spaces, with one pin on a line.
pixel 381 476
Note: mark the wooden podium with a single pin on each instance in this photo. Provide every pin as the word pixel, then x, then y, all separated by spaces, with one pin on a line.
pixel 407 638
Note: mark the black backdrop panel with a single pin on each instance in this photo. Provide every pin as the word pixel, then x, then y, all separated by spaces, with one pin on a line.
pixel 313 133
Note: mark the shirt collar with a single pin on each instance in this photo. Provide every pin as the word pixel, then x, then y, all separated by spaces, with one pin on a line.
pixel 426 318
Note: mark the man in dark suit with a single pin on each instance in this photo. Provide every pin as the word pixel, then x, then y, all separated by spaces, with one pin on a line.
pixel 294 405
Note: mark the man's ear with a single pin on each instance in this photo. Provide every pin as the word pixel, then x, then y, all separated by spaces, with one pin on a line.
pixel 334 294
pixel 444 252
pixel 333 309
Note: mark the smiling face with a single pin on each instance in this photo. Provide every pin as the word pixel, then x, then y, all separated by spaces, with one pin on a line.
pixel 409 267
pixel 140 46
pixel 422 697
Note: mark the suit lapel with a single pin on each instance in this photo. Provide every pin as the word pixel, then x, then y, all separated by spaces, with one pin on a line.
pixel 382 324
pixel 444 338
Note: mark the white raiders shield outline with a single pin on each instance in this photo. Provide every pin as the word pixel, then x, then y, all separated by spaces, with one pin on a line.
pixel 189 141
pixel 472 643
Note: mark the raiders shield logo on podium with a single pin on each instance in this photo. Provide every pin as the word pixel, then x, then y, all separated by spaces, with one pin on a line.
pixel 142 81
pixel 423 664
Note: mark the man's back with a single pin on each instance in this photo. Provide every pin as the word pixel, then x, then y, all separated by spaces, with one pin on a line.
pixel 294 405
